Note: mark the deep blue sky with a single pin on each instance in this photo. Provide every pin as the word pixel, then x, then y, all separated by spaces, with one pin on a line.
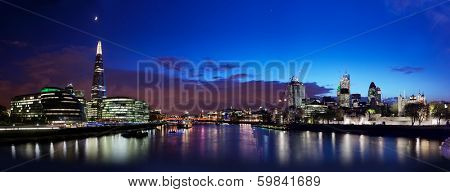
pixel 412 54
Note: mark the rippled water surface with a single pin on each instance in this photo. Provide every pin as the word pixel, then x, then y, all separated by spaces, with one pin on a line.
pixel 228 148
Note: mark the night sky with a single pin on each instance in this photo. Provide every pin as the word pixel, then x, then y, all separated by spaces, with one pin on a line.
pixel 401 45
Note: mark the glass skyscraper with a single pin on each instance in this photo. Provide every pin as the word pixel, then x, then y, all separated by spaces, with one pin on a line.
pixel 343 91
pixel 124 109
pixel 295 93
pixel 98 90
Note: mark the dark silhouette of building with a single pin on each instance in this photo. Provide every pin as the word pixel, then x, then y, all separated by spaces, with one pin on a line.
pixel 4 116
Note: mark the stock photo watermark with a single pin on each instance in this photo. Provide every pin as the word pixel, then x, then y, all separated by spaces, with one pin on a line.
pixel 182 85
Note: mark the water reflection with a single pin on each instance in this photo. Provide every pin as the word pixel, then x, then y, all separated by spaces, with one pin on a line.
pixel 13 151
pixel 236 145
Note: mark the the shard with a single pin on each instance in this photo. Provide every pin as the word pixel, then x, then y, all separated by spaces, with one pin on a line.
pixel 98 89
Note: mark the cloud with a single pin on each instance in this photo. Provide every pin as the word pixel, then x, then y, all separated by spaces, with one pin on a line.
pixel 239 76
pixel 55 68
pixel 315 90
pixel 225 66
pixel 407 69
pixel 15 43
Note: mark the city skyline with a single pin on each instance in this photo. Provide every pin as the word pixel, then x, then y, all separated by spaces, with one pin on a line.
pixel 30 64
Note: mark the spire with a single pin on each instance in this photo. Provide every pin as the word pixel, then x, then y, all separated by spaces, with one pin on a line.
pixel 99 48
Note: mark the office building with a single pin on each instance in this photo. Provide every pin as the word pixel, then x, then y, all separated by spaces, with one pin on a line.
pixel 27 109
pixel 343 91
pixel 296 93
pixel 60 106
pixel 52 105
pixel 124 110
pixel 374 95
pixel 355 100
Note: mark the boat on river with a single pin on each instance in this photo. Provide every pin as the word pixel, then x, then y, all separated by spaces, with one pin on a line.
pixel 184 124
pixel 135 134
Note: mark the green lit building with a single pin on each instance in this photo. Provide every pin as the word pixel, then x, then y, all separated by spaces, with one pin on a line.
pixel 124 109
pixel 61 106
pixel 52 105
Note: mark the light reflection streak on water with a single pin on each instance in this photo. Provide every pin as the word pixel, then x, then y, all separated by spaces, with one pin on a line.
pixel 418 147
pixel 381 148
pixel 402 144
pixel 320 153
pixel 185 141
pixel 283 148
pixel 247 142
pixel 362 147
pixel 29 151
pixel 76 148
pixel 65 149
pixel 13 151
pixel 52 151
pixel 333 143
pixel 211 141
pixel 37 151
pixel 424 148
pixel 91 151
pixel 346 150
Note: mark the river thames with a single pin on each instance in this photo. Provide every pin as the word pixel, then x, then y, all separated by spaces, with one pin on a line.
pixel 228 148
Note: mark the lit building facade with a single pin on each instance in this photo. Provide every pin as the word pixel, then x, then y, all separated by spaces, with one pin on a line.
pixel 277 117
pixel 313 108
pixel 27 109
pixel 52 105
pixel 124 110
pixel 60 106
pixel 296 93
pixel 329 101
pixel 355 100
pixel 343 91
pixel 402 102
pixel 79 94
